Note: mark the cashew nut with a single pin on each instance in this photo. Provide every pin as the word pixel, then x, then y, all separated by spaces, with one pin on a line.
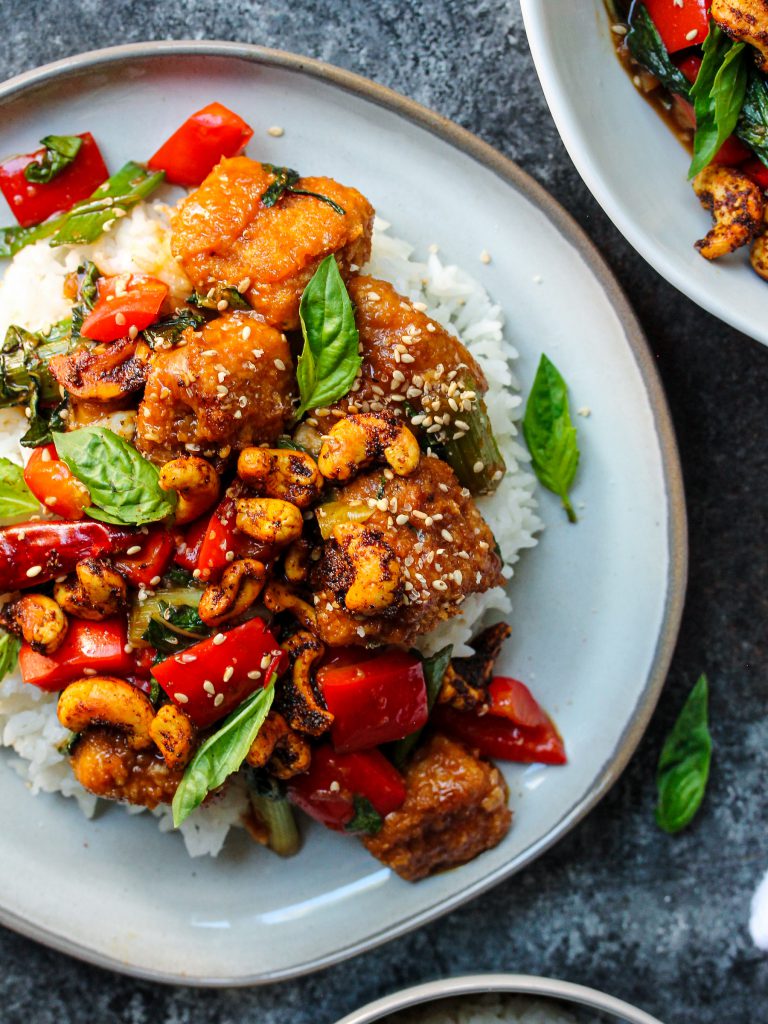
pixel 744 20
pixel 376 571
pixel 39 620
pixel 103 700
pixel 279 748
pixel 269 520
pixel 758 255
pixel 173 734
pixel 241 584
pixel 296 562
pixel 737 207
pixel 359 439
pixel 196 483
pixel 298 702
pixel 99 591
pixel 281 473
pixel 278 597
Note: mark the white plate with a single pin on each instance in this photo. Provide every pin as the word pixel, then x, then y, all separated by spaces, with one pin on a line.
pixel 597 604
pixel 632 163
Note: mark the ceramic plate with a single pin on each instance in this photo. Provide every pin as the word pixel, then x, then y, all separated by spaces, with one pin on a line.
pixel 597 604
pixel 632 163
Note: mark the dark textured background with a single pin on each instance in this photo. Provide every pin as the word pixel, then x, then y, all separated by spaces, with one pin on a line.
pixel 617 905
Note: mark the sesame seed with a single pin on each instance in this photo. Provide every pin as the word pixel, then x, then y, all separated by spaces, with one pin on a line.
pixel 619 30
pixel 279 364
pixel 218 700
pixel 255 674
pixel 439 585
pixel 182 698
pixel 478 467
pixel 243 286
pixel 120 319
pixel 485 256
pixel 128 648
pixel 219 639
pixel 50 501
pixel 401 520
pixel 276 131
pixel 209 687
pixel 360 631
pixel 222 390
pixel 334 786
pixel 134 550
pixel 89 671
pixel 266 661
pixel 228 673
pixel 446 535
pixel 692 34
pixel 221 305
pixel 155 580
pixel 34 571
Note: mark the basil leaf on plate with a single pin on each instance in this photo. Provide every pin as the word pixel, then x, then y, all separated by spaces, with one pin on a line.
pixel 647 48
pixel 124 486
pixel 752 126
pixel 329 361
pixel 550 434
pixel 16 499
pixel 219 293
pixel 683 769
pixel 9 653
pixel 60 151
pixel 366 818
pixel 718 95
pixel 285 181
pixel 168 332
pixel 434 670
pixel 180 627
pixel 222 753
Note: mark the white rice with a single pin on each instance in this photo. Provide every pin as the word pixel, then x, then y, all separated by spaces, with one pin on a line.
pixel 31 295
pixel 489 1009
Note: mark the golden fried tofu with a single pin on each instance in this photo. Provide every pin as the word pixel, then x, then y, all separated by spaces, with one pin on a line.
pixel 223 233
pixel 230 386
pixel 105 764
pixel 746 21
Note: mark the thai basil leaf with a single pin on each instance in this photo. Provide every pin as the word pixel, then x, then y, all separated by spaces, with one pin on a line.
pixel 60 151
pixel 124 486
pixel 752 126
pixel 550 434
pixel 285 181
pixel 718 95
pixel 684 763
pixel 9 653
pixel 647 48
pixel 329 361
pixel 181 628
pixel 222 753
pixel 365 819
pixel 16 499
pixel 434 670
pixel 42 421
pixel 220 293
pixel 168 332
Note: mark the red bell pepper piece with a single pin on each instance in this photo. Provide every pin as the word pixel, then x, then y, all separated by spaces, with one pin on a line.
pixel 496 736
pixel 232 664
pixel 375 701
pixel 196 147
pixel 33 553
pixel 32 203
pixel 54 485
pixel 511 699
pixel 125 301
pixel 680 25
pixel 189 543
pixel 732 152
pixel 223 536
pixel 757 171
pixel 97 646
pixel 145 567
pixel 327 791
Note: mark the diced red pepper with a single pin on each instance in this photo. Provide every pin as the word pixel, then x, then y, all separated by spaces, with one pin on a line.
pixel 327 791
pixel 223 536
pixel 97 646
pixel 32 203
pixel 125 301
pixel 680 25
pixel 195 148
pixel 757 171
pixel 732 152
pixel 500 737
pixel 189 543
pixel 148 565
pixel 509 698
pixel 54 485
pixel 375 701
pixel 232 664
pixel 34 553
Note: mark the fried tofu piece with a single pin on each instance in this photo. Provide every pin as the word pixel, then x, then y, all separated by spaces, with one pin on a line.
pixel 223 233
pixel 104 764
pixel 746 21
pixel 455 808
pixel 230 386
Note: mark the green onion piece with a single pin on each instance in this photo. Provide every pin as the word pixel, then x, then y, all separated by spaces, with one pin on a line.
pixel 277 815
pixel 144 612
pixel 475 457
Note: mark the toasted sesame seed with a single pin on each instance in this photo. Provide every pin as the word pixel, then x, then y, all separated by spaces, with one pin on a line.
pixel 222 390
pixel 120 319
pixel 182 698
pixel 219 638
pixel 255 674
pixel 218 700
pixel 692 34
pixel 155 580
pixel 209 687
pixel 485 256
pixel 50 501
pixel 619 30
pixel 228 673
pixel 221 305
pixel 134 550
pixel 401 520
pixel 34 571
pixel 266 661
pixel 478 467
pixel 439 585
pixel 276 131
pixel 446 535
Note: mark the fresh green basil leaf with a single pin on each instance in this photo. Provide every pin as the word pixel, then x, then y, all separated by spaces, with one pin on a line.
pixel 218 294
pixel 684 763
pixel 222 753
pixel 329 361
pixel 168 332
pixel 752 126
pixel 434 670
pixel 366 818
pixel 647 48
pixel 9 653
pixel 124 486
pixel 180 627
pixel 60 151
pixel 718 95
pixel 285 181
pixel 16 500
pixel 550 434
pixel 43 421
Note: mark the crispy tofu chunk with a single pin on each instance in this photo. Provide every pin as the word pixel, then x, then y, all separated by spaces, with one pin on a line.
pixel 103 763
pixel 746 21
pixel 455 808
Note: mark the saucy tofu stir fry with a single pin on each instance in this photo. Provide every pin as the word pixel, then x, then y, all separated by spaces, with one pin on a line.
pixel 257 499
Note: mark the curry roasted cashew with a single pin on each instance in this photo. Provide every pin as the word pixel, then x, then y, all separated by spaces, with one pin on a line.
pixel 104 700
pixel 746 21
pixel 281 473
pixel 279 597
pixel 173 734
pixel 279 749
pixel 737 207
pixel 196 483
pixel 296 562
pixel 98 592
pixel 270 521
pixel 39 619
pixel 376 582
pixel 302 710
pixel 361 438
pixel 240 585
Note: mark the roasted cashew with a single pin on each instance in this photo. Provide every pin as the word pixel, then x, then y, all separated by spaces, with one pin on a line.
pixel 737 208
pixel 103 700
pixel 298 702
pixel 241 584
pixel 269 520
pixel 196 483
pixel 758 255
pixel 746 21
pixel 361 438
pixel 279 748
pixel 296 561
pixel 99 591
pixel 376 571
pixel 281 473
pixel 173 734
pixel 39 620
pixel 278 597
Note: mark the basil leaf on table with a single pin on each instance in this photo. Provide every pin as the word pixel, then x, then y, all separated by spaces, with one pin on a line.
pixel 60 151
pixel 550 434
pixel 366 818
pixel 124 486
pixel 329 361
pixel 16 499
pixel 434 670
pixel 223 753
pixel 648 49
pixel 683 768
pixel 718 95
pixel 752 126
pixel 9 653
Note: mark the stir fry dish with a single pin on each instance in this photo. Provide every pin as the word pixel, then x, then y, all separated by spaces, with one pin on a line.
pixel 252 491
pixel 704 65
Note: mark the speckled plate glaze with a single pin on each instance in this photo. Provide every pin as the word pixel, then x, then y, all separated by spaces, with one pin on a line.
pixel 597 605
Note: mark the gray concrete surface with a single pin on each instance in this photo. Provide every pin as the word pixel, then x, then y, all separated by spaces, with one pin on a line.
pixel 617 905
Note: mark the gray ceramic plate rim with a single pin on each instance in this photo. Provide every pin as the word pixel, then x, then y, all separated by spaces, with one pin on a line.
pixel 508 171
pixel 480 984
